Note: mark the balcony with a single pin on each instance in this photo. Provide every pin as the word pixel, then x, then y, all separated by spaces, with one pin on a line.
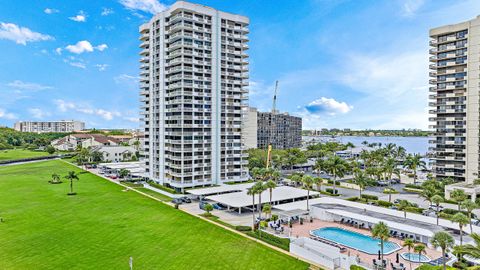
pixel 433 42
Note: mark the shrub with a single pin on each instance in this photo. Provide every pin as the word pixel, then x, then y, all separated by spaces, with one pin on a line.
pixel 413 186
pixel 162 187
pixel 331 191
pixel 353 199
pixel 331 182
pixel 384 203
pixel 412 209
pixel 369 197
pixel 453 212
pixel 283 243
pixel 356 267
pixel 390 191
pixel 243 228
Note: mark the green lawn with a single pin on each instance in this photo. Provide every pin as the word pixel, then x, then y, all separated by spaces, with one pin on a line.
pixel 102 226
pixel 13 154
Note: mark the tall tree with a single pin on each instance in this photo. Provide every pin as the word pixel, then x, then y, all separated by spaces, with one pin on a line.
pixel 469 206
pixel 362 182
pixel 72 176
pixel 458 195
pixel 308 182
pixel 337 167
pixel 469 249
pixel 402 206
pixel 420 249
pixel 444 241
pixel 437 199
pixel 380 231
pixel 260 188
pixel 462 220
pixel 270 185
pixel 409 244
pixel 414 162
pixel 252 191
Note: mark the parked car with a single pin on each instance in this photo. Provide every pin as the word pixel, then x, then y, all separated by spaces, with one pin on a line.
pixel 113 176
pixel 177 201
pixel 396 201
pixel 475 222
pixel 395 181
pixel 435 207
pixel 185 199
pixel 382 183
pixel 219 206
pixel 429 213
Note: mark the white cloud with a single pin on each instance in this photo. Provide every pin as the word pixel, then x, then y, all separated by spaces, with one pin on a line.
pixel 329 106
pixel 80 47
pixel 58 51
pixel 51 10
pixel 21 35
pixel 17 84
pixel 83 46
pixel 107 11
pixel 132 119
pixel 65 106
pixel 38 113
pixel 6 115
pixel 102 67
pixel 78 65
pixel 80 17
pixel 124 78
pixel 151 6
pixel 101 47
pixel 410 7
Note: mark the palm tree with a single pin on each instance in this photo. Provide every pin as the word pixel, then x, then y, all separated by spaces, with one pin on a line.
pixel 420 249
pixel 414 162
pixel 469 206
pixel 296 179
pixel 252 191
pixel 469 249
pixel 255 172
pixel 71 176
pixel 380 231
pixel 437 199
pixel 409 244
pixel 320 165
pixel 260 188
pixel 427 193
pixel 444 241
pixel 308 182
pixel 276 176
pixel 55 179
pixel 462 220
pixel 270 185
pixel 362 181
pixel 458 195
pixel 403 205
pixel 336 166
pixel 123 173
pixel 267 209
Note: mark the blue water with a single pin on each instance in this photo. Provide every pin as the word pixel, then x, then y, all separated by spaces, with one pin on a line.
pixel 413 257
pixel 355 240
pixel 418 145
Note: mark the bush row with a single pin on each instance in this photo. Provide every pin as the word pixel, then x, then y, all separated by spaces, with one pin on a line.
pixel 283 243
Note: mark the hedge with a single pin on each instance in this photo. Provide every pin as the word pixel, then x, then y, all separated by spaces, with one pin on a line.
pixel 356 267
pixel 384 203
pixel 331 182
pixel 283 243
pixel 162 187
pixel 412 209
pixel 241 228
pixel 331 191
pixel 353 199
pixel 369 197
pixel 453 212
pixel 413 186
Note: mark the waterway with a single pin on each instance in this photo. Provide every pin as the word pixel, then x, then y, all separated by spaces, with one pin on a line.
pixel 411 144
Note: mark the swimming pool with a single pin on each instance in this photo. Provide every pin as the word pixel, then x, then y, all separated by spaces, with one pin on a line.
pixel 355 240
pixel 414 257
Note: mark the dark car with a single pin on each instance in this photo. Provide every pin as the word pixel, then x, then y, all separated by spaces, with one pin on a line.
pixel 219 206
pixel 397 201
pixel 185 199
pixel 202 204
pixel 177 201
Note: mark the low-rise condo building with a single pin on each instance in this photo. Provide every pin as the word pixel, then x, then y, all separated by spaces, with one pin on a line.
pixel 49 126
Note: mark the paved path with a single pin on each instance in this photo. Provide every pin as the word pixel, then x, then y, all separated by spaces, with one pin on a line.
pixel 168 194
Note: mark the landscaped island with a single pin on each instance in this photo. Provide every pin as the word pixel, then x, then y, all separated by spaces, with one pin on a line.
pixel 103 226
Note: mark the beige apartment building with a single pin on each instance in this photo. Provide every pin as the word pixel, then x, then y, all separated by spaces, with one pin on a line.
pixel 454 95
pixel 194 74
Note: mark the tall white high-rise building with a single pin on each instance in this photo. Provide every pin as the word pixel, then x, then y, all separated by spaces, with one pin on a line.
pixel 194 74
pixel 454 74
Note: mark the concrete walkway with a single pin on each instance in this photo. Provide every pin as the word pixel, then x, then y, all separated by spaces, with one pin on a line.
pixel 168 194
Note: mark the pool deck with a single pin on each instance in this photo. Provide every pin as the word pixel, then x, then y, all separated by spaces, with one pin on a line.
pixel 304 231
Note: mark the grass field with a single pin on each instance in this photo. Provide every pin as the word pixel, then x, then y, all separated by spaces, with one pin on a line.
pixel 13 154
pixel 102 226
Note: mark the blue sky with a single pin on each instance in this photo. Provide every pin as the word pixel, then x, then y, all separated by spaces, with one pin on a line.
pixel 345 64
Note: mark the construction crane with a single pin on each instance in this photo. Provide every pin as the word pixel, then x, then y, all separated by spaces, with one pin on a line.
pixel 272 126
